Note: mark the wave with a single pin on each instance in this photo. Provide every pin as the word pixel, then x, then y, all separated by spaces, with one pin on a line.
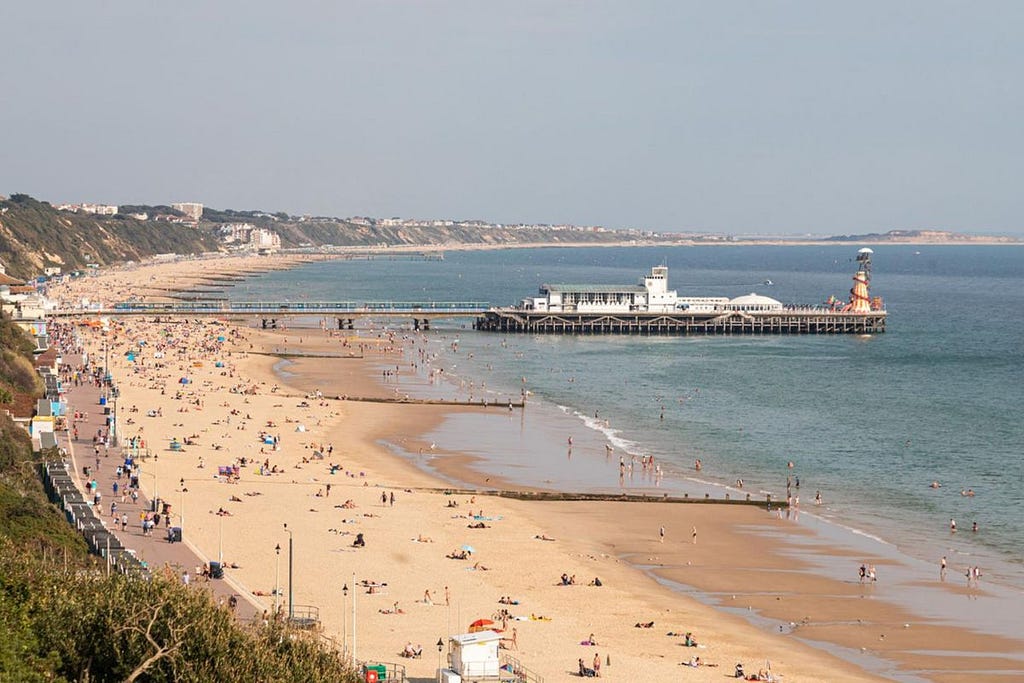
pixel 831 521
pixel 614 436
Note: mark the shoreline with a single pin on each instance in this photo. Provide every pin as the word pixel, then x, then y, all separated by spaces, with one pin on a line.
pixel 631 539
pixel 460 468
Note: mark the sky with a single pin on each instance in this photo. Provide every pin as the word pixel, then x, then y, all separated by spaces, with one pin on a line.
pixel 757 117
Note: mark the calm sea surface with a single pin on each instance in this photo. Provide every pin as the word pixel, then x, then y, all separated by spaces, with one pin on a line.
pixel 869 422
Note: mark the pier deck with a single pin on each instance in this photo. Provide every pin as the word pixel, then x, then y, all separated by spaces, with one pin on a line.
pixel 790 321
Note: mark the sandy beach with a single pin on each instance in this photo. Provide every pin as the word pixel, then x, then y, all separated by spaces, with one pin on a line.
pixel 751 587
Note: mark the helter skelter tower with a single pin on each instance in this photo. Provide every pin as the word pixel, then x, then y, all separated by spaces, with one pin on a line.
pixel 860 299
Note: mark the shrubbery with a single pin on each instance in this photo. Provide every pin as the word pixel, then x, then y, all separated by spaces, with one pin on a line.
pixel 74 623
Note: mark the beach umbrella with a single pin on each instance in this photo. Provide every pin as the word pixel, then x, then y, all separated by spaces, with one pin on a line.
pixel 469 548
pixel 481 625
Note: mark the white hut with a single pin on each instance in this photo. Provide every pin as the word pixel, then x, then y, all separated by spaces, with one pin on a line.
pixel 472 657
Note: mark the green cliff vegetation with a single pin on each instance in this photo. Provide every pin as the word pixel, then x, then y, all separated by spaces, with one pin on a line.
pixel 63 619
pixel 34 235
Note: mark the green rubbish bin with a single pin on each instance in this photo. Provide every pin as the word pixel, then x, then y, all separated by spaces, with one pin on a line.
pixel 375 672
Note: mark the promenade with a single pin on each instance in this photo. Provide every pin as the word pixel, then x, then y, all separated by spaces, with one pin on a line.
pixel 154 550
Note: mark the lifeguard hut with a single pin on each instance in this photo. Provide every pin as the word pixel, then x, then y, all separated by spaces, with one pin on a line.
pixel 475 658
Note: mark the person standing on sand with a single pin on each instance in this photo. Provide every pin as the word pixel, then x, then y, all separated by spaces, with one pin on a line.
pixel 597 665
pixel 693 535
pixel 942 568
pixel 661 534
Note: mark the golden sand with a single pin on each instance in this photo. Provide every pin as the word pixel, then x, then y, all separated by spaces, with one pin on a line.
pixel 223 411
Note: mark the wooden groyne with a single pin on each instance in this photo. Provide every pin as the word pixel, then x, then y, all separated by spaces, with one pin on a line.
pixel 764 501
pixel 800 321
pixel 298 354
pixel 507 405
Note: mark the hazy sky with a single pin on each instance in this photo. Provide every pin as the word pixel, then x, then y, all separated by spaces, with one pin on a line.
pixel 744 117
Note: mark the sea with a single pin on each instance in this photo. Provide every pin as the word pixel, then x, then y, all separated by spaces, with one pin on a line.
pixel 867 422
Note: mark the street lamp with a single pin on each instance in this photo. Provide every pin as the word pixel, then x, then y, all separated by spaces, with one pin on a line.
pixel 344 618
pixel 220 542
pixel 181 513
pixel 113 418
pixel 277 577
pixel 291 593
pixel 440 646
pixel 354 591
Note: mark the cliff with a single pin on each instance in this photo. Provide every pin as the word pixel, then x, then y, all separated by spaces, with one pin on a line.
pixel 34 235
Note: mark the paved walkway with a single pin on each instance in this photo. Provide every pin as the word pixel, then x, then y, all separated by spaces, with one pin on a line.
pixel 155 550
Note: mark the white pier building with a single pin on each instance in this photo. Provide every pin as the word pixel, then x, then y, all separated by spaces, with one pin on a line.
pixel 651 295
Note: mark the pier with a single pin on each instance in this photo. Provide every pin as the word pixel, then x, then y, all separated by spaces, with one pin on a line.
pixel 786 321
pixel 223 307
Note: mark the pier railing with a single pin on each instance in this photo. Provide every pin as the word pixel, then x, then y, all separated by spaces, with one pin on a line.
pixel 224 307
pixel 786 321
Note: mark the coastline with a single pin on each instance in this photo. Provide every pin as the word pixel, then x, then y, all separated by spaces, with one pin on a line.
pixel 804 590
pixel 593 537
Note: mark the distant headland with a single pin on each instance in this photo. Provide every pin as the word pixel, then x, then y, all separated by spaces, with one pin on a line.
pixel 36 236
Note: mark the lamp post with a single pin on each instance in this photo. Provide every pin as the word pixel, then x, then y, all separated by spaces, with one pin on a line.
pixel 220 542
pixel 113 418
pixel 440 646
pixel 291 594
pixel 181 513
pixel 277 578
pixel 344 619
pixel 354 591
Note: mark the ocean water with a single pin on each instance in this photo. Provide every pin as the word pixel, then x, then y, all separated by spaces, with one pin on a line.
pixel 869 422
